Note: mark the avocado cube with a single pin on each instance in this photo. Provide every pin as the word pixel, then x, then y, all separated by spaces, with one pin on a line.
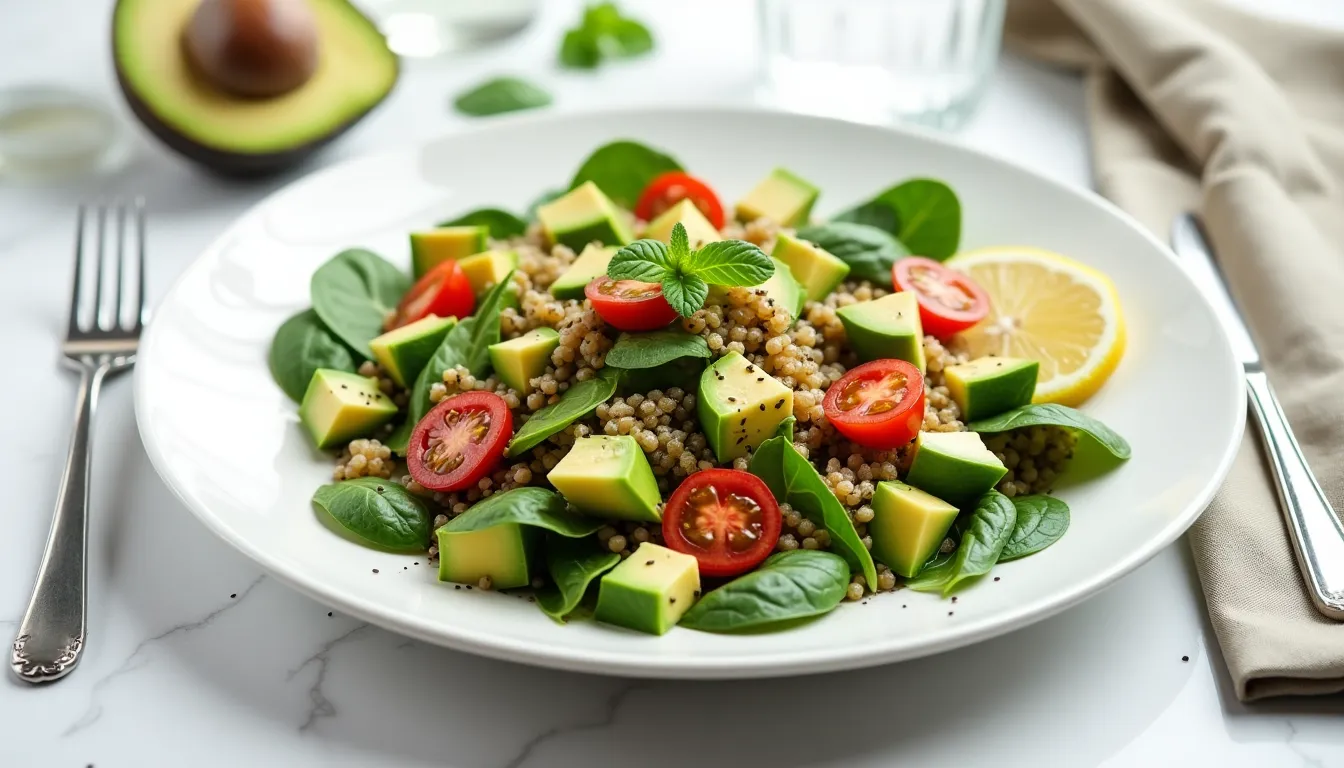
pixel 884 328
pixel 816 270
pixel 584 215
pixel 524 358
pixel 988 386
pixel 590 265
pixel 432 247
pixel 649 591
pixel 908 526
pixel 503 552
pixel 608 476
pixel 698 229
pixel 339 406
pixel 740 406
pixel 783 197
pixel 955 466
pixel 404 351
pixel 486 270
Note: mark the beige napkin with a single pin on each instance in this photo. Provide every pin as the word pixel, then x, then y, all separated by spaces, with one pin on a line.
pixel 1198 105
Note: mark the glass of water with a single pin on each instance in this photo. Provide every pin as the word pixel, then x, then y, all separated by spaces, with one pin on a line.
pixel 875 61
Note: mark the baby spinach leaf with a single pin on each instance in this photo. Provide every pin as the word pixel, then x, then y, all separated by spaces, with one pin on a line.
pixel 353 294
pixel 603 32
pixel 500 95
pixel 1055 415
pixel 577 401
pixel 573 564
pixel 682 372
pixel 302 344
pixel 934 576
pixel 793 480
pixel 867 250
pixel 622 169
pixel 787 586
pixel 528 505
pixel 378 511
pixel 785 428
pixel 983 537
pixel 501 223
pixel 647 350
pixel 1041 521
pixel 923 214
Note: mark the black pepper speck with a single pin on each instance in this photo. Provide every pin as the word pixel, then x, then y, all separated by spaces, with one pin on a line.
pixel 234 595
pixel 1185 658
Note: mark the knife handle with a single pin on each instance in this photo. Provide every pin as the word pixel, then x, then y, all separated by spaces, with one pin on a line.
pixel 1316 533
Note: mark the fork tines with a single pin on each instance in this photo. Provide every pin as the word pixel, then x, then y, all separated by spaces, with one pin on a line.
pixel 109 232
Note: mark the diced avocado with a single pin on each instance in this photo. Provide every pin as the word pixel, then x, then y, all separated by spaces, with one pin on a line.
pixel 432 247
pixel 883 328
pixel 954 465
pixel 817 271
pixel 781 290
pixel 518 360
pixel 908 526
pixel 584 215
pixel 608 476
pixel 485 270
pixel 340 406
pixel 404 351
pixel 782 197
pixel 590 265
pixel 988 386
pixel 650 590
pixel 740 406
pixel 503 552
pixel 698 229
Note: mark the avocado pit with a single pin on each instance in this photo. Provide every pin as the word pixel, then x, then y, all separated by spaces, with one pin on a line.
pixel 253 48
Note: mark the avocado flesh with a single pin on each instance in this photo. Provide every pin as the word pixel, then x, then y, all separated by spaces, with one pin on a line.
pixel 432 247
pixel 883 328
pixel 649 591
pixel 740 406
pixel 783 197
pixel 955 466
pixel 485 270
pixel 608 476
pixel 590 265
pixel 988 386
pixel 339 406
pixel 698 229
pixel 519 360
pixel 240 136
pixel 404 351
pixel 817 271
pixel 503 552
pixel 584 215
pixel 908 526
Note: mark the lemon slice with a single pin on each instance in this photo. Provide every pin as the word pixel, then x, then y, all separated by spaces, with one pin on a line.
pixel 1049 308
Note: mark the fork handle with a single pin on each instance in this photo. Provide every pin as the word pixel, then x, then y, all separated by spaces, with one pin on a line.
pixel 1315 531
pixel 52 633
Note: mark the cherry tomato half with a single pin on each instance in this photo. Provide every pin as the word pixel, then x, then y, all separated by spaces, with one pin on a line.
pixel 668 189
pixel 459 441
pixel 444 291
pixel 878 404
pixel 948 300
pixel 630 305
pixel 726 518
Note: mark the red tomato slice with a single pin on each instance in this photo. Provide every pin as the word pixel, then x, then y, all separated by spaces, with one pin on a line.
pixel 459 441
pixel 444 291
pixel 948 300
pixel 726 518
pixel 668 189
pixel 630 305
pixel 878 404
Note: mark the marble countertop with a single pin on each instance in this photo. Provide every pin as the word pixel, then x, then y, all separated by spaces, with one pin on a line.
pixel 195 657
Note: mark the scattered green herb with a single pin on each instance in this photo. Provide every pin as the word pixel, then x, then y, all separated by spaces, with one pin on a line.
pixel 685 274
pixel 353 294
pixel 501 223
pixel 1054 415
pixel 500 95
pixel 622 169
pixel 786 587
pixel 602 33
pixel 303 344
pixel 923 214
pixel 1041 521
pixel 377 511
pixel 648 350
pixel 867 250
pixel 529 505
pixel 573 564
pixel 785 428
pixel 577 401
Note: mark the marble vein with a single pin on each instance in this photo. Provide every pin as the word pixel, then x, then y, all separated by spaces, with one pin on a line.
pixel 613 706
pixel 1307 760
pixel 135 659
pixel 320 705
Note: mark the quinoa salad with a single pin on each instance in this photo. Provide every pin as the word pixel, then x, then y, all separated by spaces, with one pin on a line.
pixel 638 405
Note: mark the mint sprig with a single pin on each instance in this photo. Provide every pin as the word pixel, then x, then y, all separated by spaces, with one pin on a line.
pixel 686 274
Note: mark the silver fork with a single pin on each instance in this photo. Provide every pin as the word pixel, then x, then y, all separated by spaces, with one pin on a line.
pixel 100 340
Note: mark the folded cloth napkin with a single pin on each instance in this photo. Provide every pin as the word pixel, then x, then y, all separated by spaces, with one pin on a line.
pixel 1197 105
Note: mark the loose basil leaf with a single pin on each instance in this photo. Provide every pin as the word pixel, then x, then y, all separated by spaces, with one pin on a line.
pixel 785 428
pixel 794 481
pixel 686 293
pixel 923 214
pixel 573 564
pixel 377 511
pixel 868 251
pixel 787 586
pixel 1055 415
pixel 500 95
pixel 501 223
pixel 730 262
pixel 529 505
pixel 577 401
pixel 1041 521
pixel 302 344
pixel 543 199
pixel 622 169
pixel 353 294
pixel 648 261
pixel 647 350
pixel 984 536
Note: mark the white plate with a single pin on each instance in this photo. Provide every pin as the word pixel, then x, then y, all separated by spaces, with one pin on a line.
pixel 228 442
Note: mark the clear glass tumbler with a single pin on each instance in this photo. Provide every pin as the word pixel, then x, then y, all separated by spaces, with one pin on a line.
pixel 875 61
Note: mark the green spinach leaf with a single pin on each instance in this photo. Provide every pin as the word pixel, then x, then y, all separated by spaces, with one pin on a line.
pixel 353 294
pixel 785 428
pixel 923 214
pixel 501 223
pixel 622 169
pixel 787 586
pixel 303 344
pixel 377 511
pixel 500 95
pixel 602 33
pixel 793 480
pixel 1041 521
pixel 648 350
pixel 983 537
pixel 577 401
pixel 1052 414
pixel 573 564
pixel 683 372
pixel 867 250
pixel 529 505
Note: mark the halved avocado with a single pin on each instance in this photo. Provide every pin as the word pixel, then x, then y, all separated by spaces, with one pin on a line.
pixel 238 135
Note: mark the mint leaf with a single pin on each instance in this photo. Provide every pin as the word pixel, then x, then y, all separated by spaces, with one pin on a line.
pixel 679 251
pixel 644 260
pixel 686 293
pixel 603 33
pixel 729 262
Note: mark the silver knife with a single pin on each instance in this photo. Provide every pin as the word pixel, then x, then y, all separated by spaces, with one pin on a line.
pixel 1315 530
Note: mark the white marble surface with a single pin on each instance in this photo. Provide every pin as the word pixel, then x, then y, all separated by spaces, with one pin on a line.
pixel 196 658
